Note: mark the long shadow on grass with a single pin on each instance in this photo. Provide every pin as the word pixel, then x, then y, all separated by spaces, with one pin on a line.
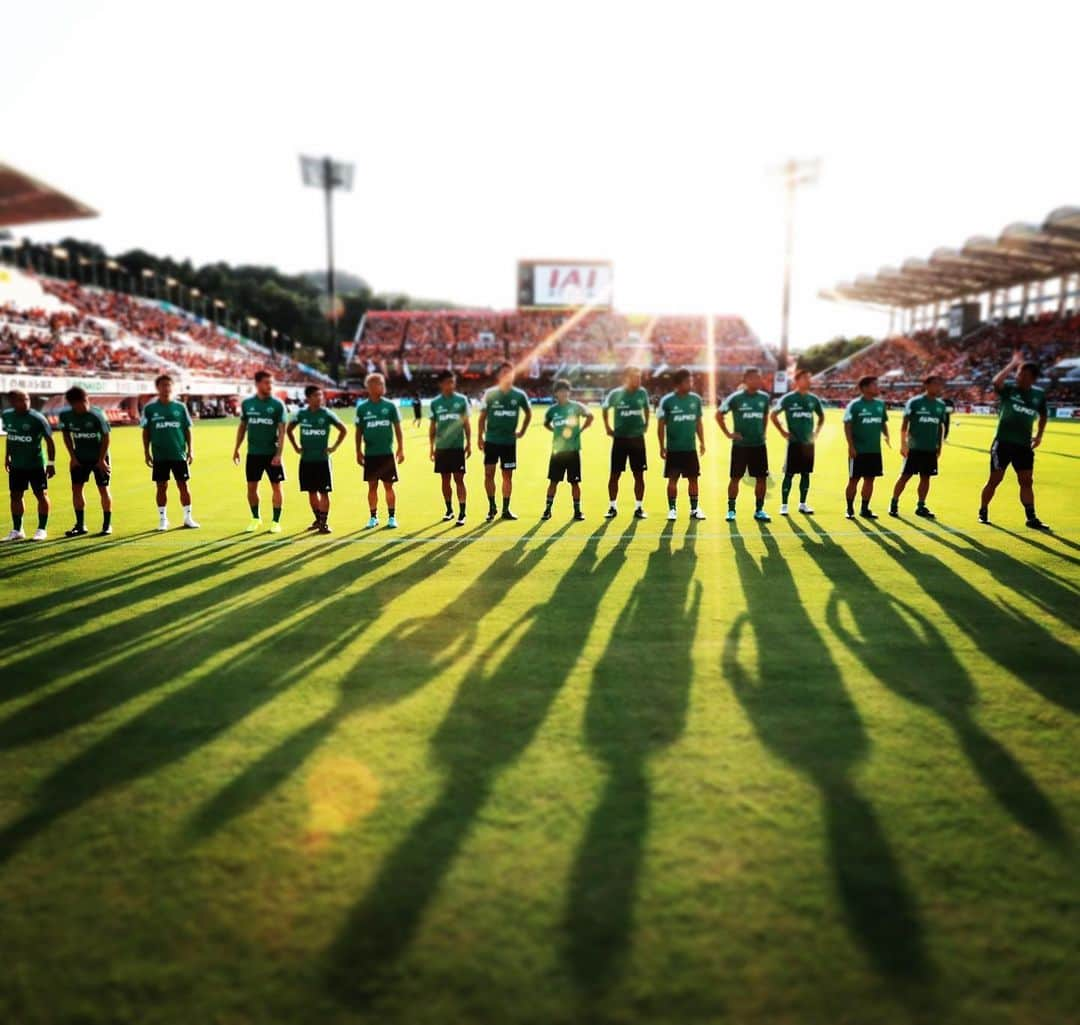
pixel 260 651
pixel 798 705
pixel 1020 644
pixel 634 711
pixel 903 649
pixel 428 650
pixel 497 710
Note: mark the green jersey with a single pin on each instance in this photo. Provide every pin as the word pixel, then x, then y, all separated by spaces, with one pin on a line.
pixel 748 415
pixel 629 410
pixel 867 418
pixel 504 409
pixel 448 413
pixel 314 425
pixel 262 417
pixel 25 433
pixel 376 420
pixel 566 421
pixel 166 422
pixel 926 417
pixel 800 415
pixel 680 414
pixel 86 431
pixel 1019 411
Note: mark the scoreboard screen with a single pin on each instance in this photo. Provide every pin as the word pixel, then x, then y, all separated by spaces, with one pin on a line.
pixel 564 284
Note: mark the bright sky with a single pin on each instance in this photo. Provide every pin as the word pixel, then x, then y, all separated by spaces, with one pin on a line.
pixel 484 132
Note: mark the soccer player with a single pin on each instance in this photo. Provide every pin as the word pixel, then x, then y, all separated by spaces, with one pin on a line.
pixel 378 427
pixel 925 426
pixel 498 433
pixel 26 428
pixel 262 419
pixel 1021 405
pixel 678 424
pixel 417 409
pixel 866 422
pixel 86 437
pixel 168 449
pixel 629 405
pixel 749 409
pixel 314 423
pixel 566 420
pixel 450 438
pixel 800 408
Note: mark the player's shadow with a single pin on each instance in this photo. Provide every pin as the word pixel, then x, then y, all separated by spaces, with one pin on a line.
pixel 1047 549
pixel 19 561
pixel 634 711
pixel 220 694
pixel 795 698
pixel 1013 639
pixel 496 713
pixel 353 613
pixel 903 649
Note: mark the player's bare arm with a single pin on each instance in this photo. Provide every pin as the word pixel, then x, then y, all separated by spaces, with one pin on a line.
pixel 241 432
pixel 905 429
pixel 700 430
pixel 661 436
pixel 50 451
pixel 525 423
pixel 359 443
pixel 1003 375
pixel 589 418
pixel 342 434
pixel 190 445
pixel 146 447
pixel 467 425
pixel 481 424
pixel 400 442
pixel 607 422
pixel 1037 440
pixel 850 441
pixel 721 419
pixel 775 417
pixel 820 423
pixel 290 433
pixel 431 439
pixel 276 461
pixel 103 452
pixel 71 448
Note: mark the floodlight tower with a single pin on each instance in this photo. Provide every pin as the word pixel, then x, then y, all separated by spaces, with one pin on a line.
pixel 796 173
pixel 328 174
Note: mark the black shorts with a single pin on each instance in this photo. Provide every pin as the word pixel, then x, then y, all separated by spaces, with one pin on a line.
pixel 682 464
pixel 628 450
pixel 865 464
pixel 32 479
pixel 749 459
pixel 81 474
pixel 164 468
pixel 256 466
pixel 498 452
pixel 315 475
pixel 565 466
pixel 799 458
pixel 382 468
pixel 449 460
pixel 919 463
pixel 1004 454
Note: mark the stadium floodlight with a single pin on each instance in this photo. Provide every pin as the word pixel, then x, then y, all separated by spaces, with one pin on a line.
pixel 796 173
pixel 328 174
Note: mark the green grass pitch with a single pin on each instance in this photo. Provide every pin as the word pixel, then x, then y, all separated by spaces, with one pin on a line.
pixel 816 771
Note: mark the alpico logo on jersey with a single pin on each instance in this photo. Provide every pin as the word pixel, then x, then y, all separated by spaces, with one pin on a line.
pixel 376 422
pixel 85 435
pixel 678 417
pixel 800 414
pixel 1019 407
pixel 23 439
pixel 311 431
pixel 500 411
pixel 261 421
pixel 166 425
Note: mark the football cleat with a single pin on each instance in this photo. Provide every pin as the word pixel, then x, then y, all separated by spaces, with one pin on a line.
pixel 163 524
pixel 850 514
pixel 508 515
pixel 672 515
pixel 16 535
pixel 697 514
pixel 373 522
pixel 640 514
pixel 762 516
pixel 894 510
pixel 925 513
pixel 492 513
pixel 611 513
pixel 579 516
pixel 190 523
pixel 105 531
pixel 76 532
pixel 984 515
pixel 39 535
pixel 253 525
pixel 546 514
pixel 459 522
pixel 783 509
pixel 275 527
pixel 866 514
pixel 324 528
pixel 1036 524
pixel 314 525
pixel 447 516
pixel 805 509
pixel 391 523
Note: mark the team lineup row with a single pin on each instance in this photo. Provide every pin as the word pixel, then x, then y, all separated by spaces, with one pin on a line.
pixel 316 432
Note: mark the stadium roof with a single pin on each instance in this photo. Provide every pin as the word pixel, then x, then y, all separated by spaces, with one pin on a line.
pixel 25 200
pixel 1021 254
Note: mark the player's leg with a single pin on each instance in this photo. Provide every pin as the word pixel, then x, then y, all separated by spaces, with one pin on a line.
pixel 575 495
pixel 105 494
pixel 277 496
pixel 185 495
pixel 162 495
pixel 41 492
pixel 921 492
pixel 553 484
pixel 759 497
pixel 692 492
pixel 391 504
pixel 1026 480
pixel 617 466
pixel 373 502
pixel 507 490
pixel 489 488
pixel 898 490
pixel 997 475
pixel 17 512
pixel 804 492
pixel 867 494
pixel 78 503
pixel 448 496
pixel 849 494
pixel 672 491
pixel 253 504
pixel 462 494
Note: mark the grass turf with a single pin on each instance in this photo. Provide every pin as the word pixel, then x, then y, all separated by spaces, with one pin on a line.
pixel 817 771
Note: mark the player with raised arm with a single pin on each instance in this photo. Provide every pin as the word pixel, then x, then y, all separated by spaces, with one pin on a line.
pixel 566 420
pixel 316 478
pixel 628 407
pixel 678 427
pixel 749 409
pixel 262 420
pixel 925 426
pixel 168 449
pixel 1022 404
pixel 803 418
pixel 450 439
pixel 498 433
pixel 866 422
pixel 378 428
pixel 86 437
pixel 26 429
